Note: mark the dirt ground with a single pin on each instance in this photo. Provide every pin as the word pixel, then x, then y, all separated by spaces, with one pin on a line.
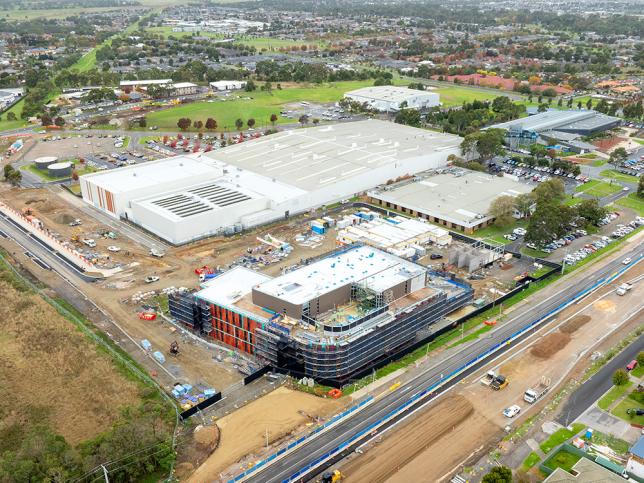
pixel 244 432
pixel 51 374
pixel 196 446
pixel 427 432
pixel 397 457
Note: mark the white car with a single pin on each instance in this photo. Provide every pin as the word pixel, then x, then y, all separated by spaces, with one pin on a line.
pixel 512 411
pixel 114 248
pixel 626 261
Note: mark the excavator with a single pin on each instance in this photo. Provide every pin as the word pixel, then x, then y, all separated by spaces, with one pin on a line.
pixel 332 476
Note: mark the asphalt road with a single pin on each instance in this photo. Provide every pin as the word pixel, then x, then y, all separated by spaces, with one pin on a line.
pixel 597 385
pixel 284 468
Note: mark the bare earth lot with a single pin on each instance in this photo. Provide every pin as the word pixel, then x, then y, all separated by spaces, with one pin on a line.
pixel 53 375
pixel 281 413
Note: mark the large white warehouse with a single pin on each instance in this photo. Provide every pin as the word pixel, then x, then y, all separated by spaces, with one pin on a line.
pixel 184 198
pixel 391 98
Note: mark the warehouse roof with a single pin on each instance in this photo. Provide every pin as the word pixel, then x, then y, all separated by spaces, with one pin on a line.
pixel 388 93
pixel 376 269
pixel 461 196
pixel 317 157
pixel 145 175
pixel 559 120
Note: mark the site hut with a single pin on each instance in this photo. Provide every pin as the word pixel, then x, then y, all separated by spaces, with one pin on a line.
pixel 564 127
pixel 393 98
pixel 458 199
pixel 227 85
pixel 330 320
pixel 185 198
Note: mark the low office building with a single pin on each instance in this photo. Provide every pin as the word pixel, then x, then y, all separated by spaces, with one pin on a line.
pixel 136 84
pixel 227 85
pixel 330 320
pixel 184 88
pixel 185 198
pixel 393 98
pixel 459 199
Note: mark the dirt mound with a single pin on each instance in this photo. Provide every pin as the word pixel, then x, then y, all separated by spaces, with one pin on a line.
pixel 550 345
pixel 574 324
pixel 183 470
pixel 64 219
pixel 207 435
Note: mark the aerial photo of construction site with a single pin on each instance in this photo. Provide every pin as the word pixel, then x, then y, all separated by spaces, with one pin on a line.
pixel 376 259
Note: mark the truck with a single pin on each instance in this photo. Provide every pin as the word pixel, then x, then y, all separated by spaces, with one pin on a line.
pixel 623 288
pixel 537 391
pixel 488 378
pixel 156 253
pixel 89 242
pixel 499 382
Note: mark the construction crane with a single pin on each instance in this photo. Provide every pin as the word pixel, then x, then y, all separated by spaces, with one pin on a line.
pixel 174 348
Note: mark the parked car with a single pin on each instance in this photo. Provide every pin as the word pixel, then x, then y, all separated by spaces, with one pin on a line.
pixel 631 365
pixel 512 411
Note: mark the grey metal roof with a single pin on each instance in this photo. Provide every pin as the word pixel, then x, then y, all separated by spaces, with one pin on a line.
pixel 559 120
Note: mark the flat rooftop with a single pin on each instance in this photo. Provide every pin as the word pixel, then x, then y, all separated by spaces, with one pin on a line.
pixel 458 196
pixel 320 157
pixel 376 269
pixel 388 93
pixel 559 120
pixel 386 233
pixel 145 175
pixel 231 287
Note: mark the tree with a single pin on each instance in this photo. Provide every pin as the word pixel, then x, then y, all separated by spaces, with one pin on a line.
pixel 273 119
pixel 11 116
pixel 250 86
pixel 590 211
pixel 640 358
pixel 304 119
pixel 198 124
pixel 548 222
pixel 46 120
pixel 620 377
pixel 239 124
pixel 640 187
pixel 618 156
pixel 485 144
pixel 502 210
pixel 524 204
pixel 143 122
pixel 551 191
pixel 12 176
pixel 589 104
pixel 499 474
pixel 408 117
pixel 250 123
pixel 184 123
pixel 75 175
pixel 59 121
pixel 211 124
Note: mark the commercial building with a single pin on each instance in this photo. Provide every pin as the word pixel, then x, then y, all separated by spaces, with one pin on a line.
pixel 184 198
pixel 331 319
pixel 184 88
pixel 635 463
pixel 393 98
pixel 459 199
pixel 227 85
pixel 565 127
pixel 134 84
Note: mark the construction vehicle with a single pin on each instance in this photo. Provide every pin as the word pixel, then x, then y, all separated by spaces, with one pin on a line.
pixel 76 222
pixel 488 378
pixel 151 278
pixel 537 391
pixel 156 253
pixel 174 348
pixel 332 476
pixel 623 288
pixel 89 242
pixel 499 382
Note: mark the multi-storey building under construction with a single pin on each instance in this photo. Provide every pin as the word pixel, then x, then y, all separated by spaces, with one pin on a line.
pixel 330 320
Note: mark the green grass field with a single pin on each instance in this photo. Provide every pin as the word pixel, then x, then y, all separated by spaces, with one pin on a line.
pixel 263 104
pixel 457 95
pixel 495 233
pixel 564 460
pixel 17 110
pixel 597 188
pixel 613 395
pixel 635 400
pixel 531 460
pixel 260 43
pixel 633 202
pixel 616 175
pixel 573 201
pixel 560 436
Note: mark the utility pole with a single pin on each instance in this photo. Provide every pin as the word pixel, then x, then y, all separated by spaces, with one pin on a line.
pixel 107 480
pixel 267 437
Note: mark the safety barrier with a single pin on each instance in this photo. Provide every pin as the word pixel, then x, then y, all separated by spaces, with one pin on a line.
pixel 472 362
pixel 202 405
pixel 301 440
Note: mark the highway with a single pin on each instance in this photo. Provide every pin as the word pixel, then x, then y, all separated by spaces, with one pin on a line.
pixel 286 467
